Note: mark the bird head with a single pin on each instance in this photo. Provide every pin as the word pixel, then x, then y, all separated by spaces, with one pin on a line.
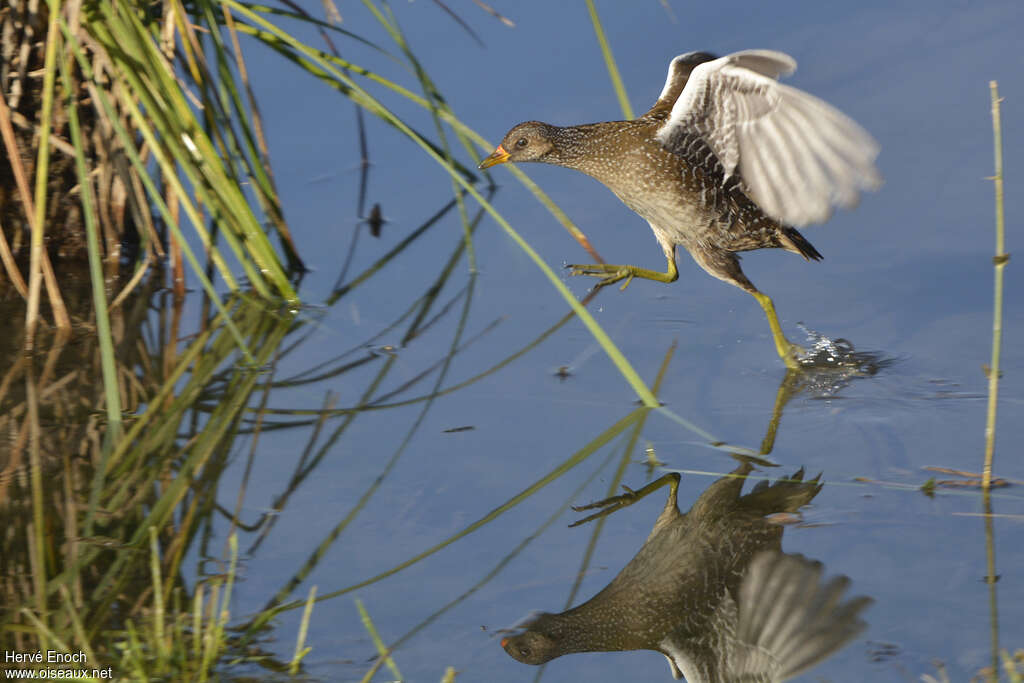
pixel 531 647
pixel 529 141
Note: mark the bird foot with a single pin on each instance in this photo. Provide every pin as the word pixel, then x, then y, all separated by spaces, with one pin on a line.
pixel 609 274
pixel 630 496
pixel 793 356
pixel 609 505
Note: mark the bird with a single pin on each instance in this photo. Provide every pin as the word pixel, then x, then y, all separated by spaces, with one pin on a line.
pixel 727 160
pixel 711 590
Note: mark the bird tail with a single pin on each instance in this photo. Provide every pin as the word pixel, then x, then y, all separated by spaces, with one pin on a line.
pixel 784 495
pixel 788 614
pixel 792 240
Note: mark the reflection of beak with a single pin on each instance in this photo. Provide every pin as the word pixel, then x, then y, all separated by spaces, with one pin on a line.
pixel 498 156
pixel 504 642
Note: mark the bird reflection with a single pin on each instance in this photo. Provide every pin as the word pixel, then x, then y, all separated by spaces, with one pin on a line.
pixel 711 590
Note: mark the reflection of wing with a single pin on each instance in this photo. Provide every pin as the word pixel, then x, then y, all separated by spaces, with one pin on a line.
pixel 797 156
pixel 705 658
pixel 788 620
pixel 691 663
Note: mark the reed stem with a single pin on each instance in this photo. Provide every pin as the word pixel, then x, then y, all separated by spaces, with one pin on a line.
pixel 999 260
pixel 609 60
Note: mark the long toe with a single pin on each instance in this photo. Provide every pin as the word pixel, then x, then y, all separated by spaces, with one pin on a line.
pixel 608 275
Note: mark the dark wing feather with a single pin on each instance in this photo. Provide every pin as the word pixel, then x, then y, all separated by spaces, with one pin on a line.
pixel 679 70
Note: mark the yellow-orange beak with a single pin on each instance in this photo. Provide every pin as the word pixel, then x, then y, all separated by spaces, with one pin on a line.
pixel 498 156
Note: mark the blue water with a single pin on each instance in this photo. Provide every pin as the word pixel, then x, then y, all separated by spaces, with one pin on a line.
pixel 907 274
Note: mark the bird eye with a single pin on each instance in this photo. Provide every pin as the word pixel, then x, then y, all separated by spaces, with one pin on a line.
pixel 524 651
pixel 522 142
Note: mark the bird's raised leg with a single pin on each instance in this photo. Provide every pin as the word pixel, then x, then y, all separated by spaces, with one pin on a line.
pixel 610 505
pixel 611 273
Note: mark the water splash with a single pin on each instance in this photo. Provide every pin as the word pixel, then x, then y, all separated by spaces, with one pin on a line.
pixel 830 364
pixel 826 352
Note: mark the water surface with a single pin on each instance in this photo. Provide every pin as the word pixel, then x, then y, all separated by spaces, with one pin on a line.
pixel 907 274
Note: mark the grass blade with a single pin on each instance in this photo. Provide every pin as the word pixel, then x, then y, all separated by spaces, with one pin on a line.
pixel 609 61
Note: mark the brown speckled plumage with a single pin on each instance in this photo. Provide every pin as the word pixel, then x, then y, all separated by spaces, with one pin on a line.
pixel 684 591
pixel 727 160
pixel 687 203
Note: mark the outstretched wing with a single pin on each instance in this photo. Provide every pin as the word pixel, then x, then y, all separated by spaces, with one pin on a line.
pixel 796 155
pixel 679 70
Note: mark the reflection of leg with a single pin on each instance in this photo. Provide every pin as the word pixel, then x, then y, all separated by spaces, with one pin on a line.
pixel 787 389
pixel 787 350
pixel 626 499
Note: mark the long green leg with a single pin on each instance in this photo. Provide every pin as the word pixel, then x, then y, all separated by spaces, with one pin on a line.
pixel 787 350
pixel 610 505
pixel 611 274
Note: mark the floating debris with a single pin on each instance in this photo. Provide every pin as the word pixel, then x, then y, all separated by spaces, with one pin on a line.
pixel 455 430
